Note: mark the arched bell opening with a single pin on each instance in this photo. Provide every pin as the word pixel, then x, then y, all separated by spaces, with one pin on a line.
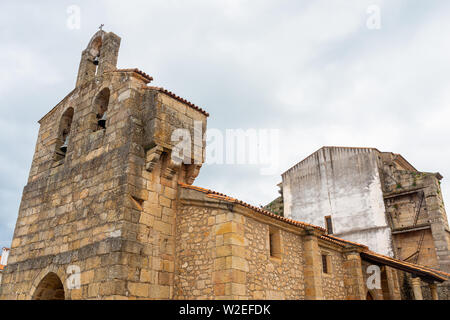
pixel 50 288
pixel 94 52
pixel 101 103
pixel 99 56
pixel 63 134
pixel 91 59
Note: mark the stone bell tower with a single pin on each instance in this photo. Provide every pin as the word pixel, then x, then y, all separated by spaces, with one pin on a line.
pixel 97 216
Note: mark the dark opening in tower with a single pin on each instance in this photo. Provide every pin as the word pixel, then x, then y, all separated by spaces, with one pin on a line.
pixel 62 142
pixel 101 103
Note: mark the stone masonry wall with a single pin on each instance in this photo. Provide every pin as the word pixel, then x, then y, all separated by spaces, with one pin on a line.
pixel 269 277
pixel 71 208
pixel 333 283
pixel 223 252
pixel 195 253
pixel 214 262
pixel 411 194
pixel 107 208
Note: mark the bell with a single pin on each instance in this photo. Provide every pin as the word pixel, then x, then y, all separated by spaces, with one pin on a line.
pixel 63 148
pixel 102 121
pixel 95 61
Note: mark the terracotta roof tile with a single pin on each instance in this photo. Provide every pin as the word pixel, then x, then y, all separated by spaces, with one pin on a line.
pixel 329 236
pixel 173 95
pixel 383 257
pixel 221 196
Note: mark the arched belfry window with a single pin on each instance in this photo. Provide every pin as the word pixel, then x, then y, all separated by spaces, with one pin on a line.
pixel 99 56
pixel 64 133
pixel 101 103
pixel 95 52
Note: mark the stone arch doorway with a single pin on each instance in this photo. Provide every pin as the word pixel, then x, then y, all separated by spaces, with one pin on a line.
pixel 50 288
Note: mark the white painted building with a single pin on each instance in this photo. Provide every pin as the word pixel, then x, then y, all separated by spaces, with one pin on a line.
pixel 341 186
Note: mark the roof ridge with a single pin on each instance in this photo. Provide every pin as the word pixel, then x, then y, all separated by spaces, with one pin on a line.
pixel 438 271
pixel 324 237
pixel 346 241
pixel 221 196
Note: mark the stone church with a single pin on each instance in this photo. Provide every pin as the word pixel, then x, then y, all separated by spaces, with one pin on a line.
pixel 109 212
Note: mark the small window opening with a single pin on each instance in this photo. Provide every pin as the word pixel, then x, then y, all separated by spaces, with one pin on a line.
pixel 274 243
pixel 329 224
pixel 325 264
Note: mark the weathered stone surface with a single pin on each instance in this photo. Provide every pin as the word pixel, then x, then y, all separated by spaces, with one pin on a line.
pixel 374 198
pixel 95 207
pixel 113 216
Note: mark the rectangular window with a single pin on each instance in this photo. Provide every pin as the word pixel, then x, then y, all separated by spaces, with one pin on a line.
pixel 329 224
pixel 274 243
pixel 325 267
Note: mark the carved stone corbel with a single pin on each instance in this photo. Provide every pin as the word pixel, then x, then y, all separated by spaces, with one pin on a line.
pixel 152 157
pixel 172 166
pixel 192 172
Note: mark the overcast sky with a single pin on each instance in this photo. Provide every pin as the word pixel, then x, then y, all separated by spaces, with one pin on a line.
pixel 312 69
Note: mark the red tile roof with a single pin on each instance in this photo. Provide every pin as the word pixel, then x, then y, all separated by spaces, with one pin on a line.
pixel 407 266
pixel 388 260
pixel 1 265
pixel 173 95
pixel 221 196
